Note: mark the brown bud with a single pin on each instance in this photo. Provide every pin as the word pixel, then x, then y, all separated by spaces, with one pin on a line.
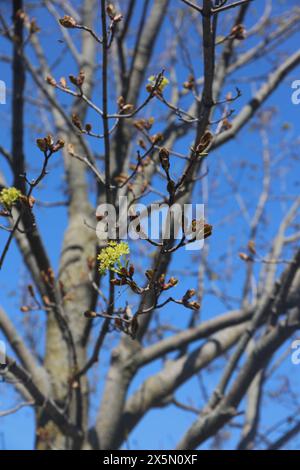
pixel 128 108
pixel 68 22
pixel 73 80
pixel 164 153
pixel 50 80
pixel 194 305
pixel 204 142
pixel 111 11
pixel 251 247
pixel 149 274
pixel 226 124
pixel 142 144
pixel 33 27
pixel 149 87
pixel 63 82
pixel 139 124
pixel 148 123
pixel 188 295
pixel 49 140
pixel 90 314
pixel 155 139
pixel 207 230
pixel 76 121
pixel 173 281
pixel 190 83
pixel 24 309
pixel 45 144
pixel 245 257
pixel 121 102
pixel 42 144
pixel 131 270
pixel 239 32
pixel 164 159
pixel 58 146
pixel 81 78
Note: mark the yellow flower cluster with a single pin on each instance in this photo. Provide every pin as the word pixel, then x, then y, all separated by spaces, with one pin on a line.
pixel 9 196
pixel 111 255
pixel 164 82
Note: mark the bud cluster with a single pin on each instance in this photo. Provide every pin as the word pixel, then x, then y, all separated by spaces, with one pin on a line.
pixel 47 145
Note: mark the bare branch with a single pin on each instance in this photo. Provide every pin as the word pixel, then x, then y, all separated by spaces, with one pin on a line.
pixel 15 409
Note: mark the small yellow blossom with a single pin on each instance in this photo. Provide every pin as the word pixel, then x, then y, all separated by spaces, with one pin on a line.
pixel 9 196
pixel 111 255
pixel 163 82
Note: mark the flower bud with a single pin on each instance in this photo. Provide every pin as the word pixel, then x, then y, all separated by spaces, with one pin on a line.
pixel 90 314
pixel 194 305
pixel 42 144
pixel 24 309
pixel 63 82
pixel 239 32
pixel 189 294
pixel 76 121
pixel 155 139
pixel 111 11
pixel 50 80
pixel 204 142
pixel 68 22
pixel 207 230
pixel 128 108
pixel 149 274
pixel 251 247
pixel 164 156
pixel 58 146
pixel 190 83
pixel 121 102
pixel 244 257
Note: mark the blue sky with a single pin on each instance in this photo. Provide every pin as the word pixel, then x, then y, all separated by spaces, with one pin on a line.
pixel 161 428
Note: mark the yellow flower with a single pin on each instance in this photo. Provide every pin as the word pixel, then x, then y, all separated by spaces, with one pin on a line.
pixel 111 255
pixel 9 196
pixel 163 82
